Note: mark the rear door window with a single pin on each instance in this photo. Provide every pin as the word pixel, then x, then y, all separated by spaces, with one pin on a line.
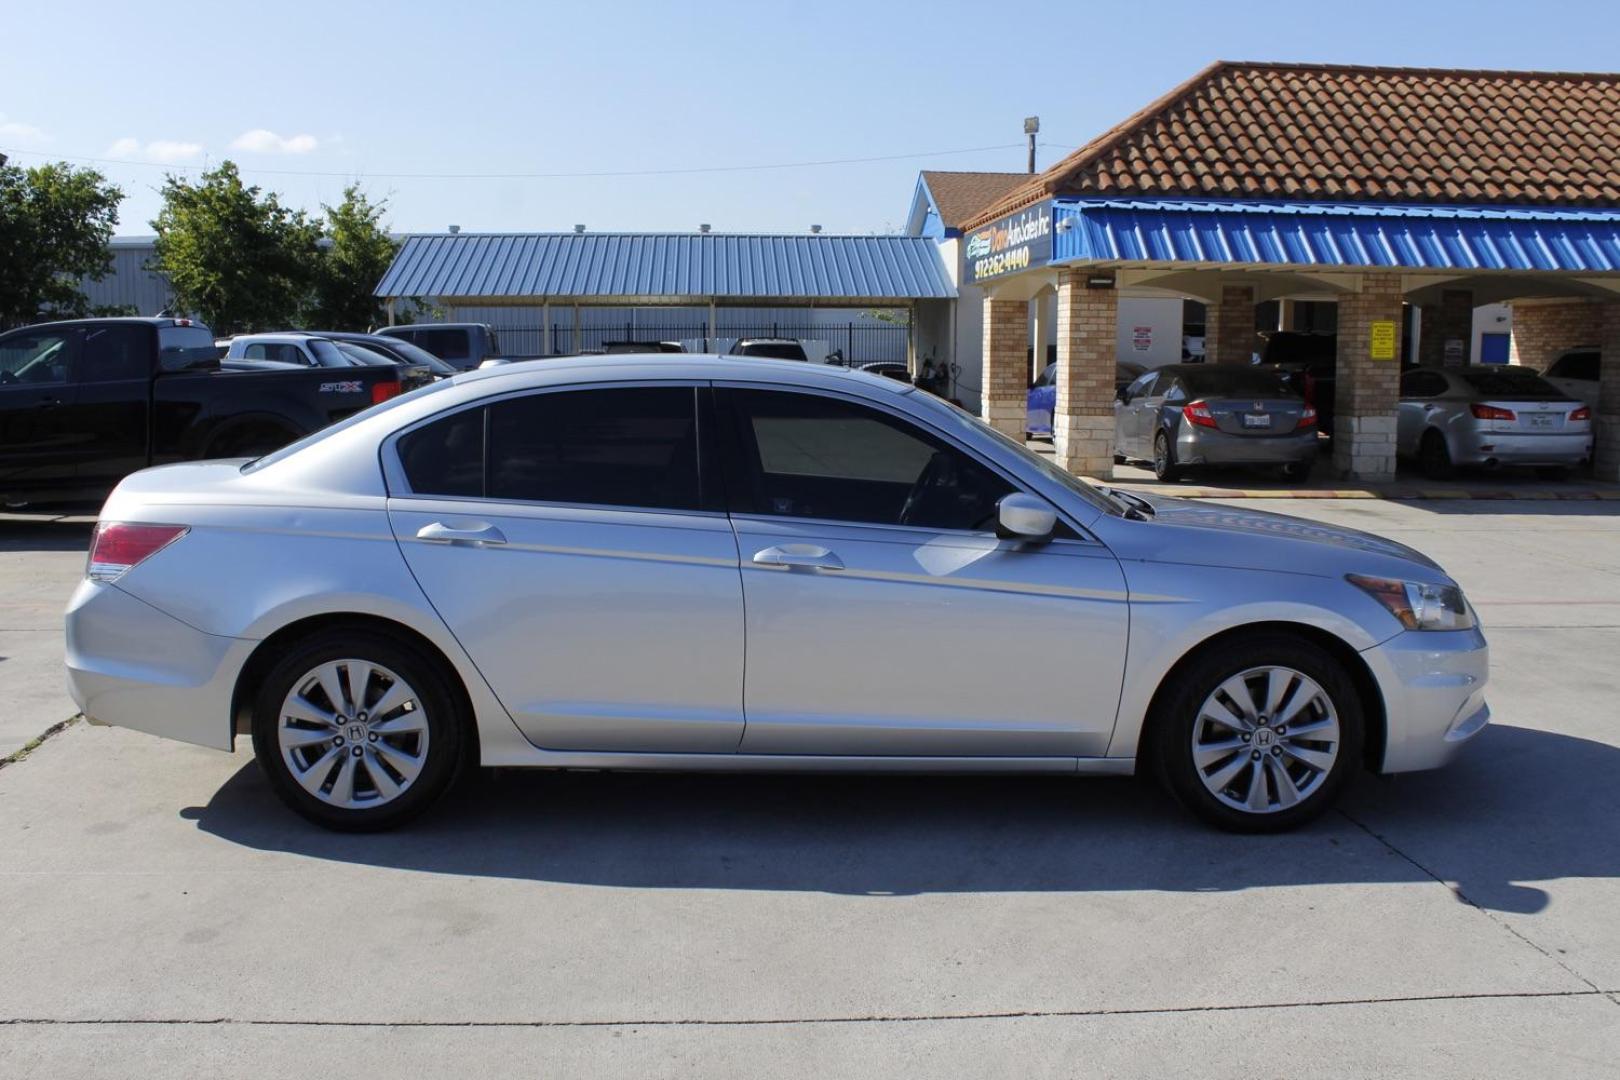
pixel 115 352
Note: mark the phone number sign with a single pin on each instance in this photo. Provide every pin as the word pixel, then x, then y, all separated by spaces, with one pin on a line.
pixel 1010 244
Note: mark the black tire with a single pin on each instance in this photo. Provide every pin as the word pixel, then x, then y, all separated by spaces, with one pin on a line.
pixel 1168 739
pixel 1164 459
pixel 1435 457
pixel 1297 472
pixel 446 722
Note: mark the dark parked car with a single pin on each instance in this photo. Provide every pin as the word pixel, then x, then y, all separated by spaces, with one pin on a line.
pixel 1042 400
pixel 1214 414
pixel 463 346
pixel 1309 363
pixel 85 403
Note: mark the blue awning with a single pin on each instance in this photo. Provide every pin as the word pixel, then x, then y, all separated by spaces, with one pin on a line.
pixel 667 267
pixel 1466 238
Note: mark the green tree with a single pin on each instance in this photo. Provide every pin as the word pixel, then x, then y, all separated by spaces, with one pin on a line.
pixel 234 255
pixel 55 221
pixel 358 251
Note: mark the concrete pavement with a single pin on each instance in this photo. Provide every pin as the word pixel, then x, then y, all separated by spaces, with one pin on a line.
pixel 164 914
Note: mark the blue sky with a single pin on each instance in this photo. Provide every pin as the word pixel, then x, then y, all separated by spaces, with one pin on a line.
pixel 375 93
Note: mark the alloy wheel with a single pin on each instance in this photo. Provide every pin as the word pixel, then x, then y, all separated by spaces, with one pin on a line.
pixel 1265 740
pixel 353 734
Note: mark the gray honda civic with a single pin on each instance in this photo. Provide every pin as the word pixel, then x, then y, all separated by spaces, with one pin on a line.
pixel 1186 415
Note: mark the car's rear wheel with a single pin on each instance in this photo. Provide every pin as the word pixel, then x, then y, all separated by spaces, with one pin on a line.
pixel 1435 457
pixel 1164 459
pixel 1258 735
pixel 358 730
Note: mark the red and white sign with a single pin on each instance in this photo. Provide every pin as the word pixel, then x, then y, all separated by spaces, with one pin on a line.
pixel 1141 338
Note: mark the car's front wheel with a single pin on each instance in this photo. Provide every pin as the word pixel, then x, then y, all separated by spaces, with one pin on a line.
pixel 1260 734
pixel 358 730
pixel 1164 459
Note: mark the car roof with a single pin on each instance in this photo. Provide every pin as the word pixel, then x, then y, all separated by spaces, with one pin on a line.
pixel 767 341
pixel 691 366
pixel 115 320
pixel 279 335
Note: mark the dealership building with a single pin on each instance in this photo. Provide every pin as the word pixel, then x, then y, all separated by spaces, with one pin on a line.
pixel 1395 207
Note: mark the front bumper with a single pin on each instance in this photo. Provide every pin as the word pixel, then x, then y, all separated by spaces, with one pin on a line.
pixel 131 665
pixel 1514 448
pixel 1203 446
pixel 1433 683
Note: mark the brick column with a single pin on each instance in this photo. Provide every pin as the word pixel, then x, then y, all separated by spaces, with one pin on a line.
pixel 1083 419
pixel 1606 458
pixel 1542 330
pixel 1229 326
pixel 1367 389
pixel 1006 369
pixel 1452 319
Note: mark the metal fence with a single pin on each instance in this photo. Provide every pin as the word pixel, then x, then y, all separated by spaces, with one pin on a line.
pixel 849 343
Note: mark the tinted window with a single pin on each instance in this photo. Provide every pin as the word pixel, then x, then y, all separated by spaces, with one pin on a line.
pixel 631 447
pixel 35 358
pixel 817 457
pixel 114 352
pixel 185 346
pixel 1581 365
pixel 1140 386
pixel 1175 391
pixel 280 352
pixel 1423 384
pixel 359 354
pixel 412 354
pixel 1510 382
pixel 445 344
pixel 775 350
pixel 329 354
pixel 446 457
pixel 1220 380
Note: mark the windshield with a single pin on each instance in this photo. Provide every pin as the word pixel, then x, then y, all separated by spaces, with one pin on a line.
pixel 1511 382
pixel 1048 468
pixel 1234 381
pixel 347 422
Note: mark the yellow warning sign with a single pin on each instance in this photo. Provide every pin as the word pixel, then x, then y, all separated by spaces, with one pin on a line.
pixel 1383 340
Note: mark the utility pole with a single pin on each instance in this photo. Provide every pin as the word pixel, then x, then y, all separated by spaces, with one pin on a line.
pixel 1032 127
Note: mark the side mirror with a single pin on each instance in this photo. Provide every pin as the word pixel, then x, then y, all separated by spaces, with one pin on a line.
pixel 1024 517
pixel 1123 395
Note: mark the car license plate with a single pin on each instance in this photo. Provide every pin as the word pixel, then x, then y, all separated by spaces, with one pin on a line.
pixel 1256 419
pixel 1539 419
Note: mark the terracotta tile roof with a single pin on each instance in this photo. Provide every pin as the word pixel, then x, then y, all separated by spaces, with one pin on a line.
pixel 1345 133
pixel 960 195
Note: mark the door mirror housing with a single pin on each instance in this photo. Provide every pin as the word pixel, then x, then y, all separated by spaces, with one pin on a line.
pixel 1123 395
pixel 1024 517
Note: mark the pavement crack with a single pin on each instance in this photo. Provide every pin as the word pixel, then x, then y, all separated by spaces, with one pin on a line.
pixel 1457 891
pixel 871 1018
pixel 39 740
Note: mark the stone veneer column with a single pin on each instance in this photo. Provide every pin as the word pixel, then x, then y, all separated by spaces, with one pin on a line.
pixel 1083 419
pixel 1006 367
pixel 1606 459
pixel 1367 389
pixel 1229 326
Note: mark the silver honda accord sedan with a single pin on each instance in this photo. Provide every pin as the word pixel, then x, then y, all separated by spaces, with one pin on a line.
pixel 717 563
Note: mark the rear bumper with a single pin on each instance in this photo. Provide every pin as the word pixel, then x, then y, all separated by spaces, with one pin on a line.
pixel 1202 446
pixel 1433 685
pixel 131 665
pixel 1512 448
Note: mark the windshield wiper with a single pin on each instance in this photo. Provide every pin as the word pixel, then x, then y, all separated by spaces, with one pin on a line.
pixel 1135 505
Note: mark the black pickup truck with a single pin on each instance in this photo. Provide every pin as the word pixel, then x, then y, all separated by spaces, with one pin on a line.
pixel 85 403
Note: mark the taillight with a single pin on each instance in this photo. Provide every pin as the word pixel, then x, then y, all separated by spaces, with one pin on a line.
pixel 118 546
pixel 382 391
pixel 1198 413
pixel 1582 413
pixel 1491 412
pixel 1307 418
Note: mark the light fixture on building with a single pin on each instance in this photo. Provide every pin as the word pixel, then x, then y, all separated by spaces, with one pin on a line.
pixel 579 228
pixel 703 228
pixel 816 229
pixel 454 229
pixel 1100 281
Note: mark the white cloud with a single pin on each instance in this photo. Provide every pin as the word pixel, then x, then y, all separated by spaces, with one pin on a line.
pixel 166 151
pixel 17 131
pixel 263 141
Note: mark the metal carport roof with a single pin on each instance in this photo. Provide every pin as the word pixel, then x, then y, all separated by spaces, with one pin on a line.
pixel 608 267
pixel 1471 238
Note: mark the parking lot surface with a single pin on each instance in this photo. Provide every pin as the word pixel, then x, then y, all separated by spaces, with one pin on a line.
pixel 165 915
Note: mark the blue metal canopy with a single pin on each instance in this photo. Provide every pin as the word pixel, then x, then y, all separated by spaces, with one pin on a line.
pixel 667 267
pixel 1469 238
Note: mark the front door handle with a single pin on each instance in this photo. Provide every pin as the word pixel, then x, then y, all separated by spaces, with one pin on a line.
pixel 476 533
pixel 809 555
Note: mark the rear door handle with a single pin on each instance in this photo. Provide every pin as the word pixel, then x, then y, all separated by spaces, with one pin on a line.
pixel 810 555
pixel 473 534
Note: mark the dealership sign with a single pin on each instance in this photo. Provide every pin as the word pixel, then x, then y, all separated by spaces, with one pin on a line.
pixel 1010 244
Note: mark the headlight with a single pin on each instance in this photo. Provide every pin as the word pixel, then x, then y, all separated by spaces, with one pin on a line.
pixel 1417 604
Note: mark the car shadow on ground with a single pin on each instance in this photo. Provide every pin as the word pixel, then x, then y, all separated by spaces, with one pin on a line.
pixel 1523 806
pixel 45 534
